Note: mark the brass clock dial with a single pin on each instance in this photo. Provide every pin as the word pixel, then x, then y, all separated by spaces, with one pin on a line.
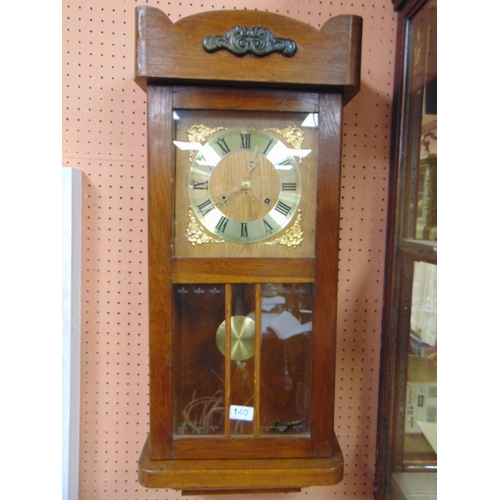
pixel 244 185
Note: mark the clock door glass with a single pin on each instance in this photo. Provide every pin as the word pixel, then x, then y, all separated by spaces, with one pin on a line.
pixel 245 184
pixel 198 365
pixel 252 379
pixel 242 364
pixel 286 359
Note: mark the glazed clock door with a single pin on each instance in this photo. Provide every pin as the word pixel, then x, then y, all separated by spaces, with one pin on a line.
pixel 244 363
pixel 245 188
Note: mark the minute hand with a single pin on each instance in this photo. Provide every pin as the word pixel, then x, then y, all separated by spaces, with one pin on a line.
pixel 252 162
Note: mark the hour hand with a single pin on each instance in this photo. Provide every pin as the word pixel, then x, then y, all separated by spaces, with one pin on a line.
pixel 224 198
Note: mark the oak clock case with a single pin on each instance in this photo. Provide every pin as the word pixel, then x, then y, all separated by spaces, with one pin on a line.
pixel 244 157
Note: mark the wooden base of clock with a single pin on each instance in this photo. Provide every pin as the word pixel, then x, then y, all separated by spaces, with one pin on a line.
pixel 239 476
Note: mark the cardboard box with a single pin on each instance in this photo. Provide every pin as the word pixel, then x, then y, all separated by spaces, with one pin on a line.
pixel 421 393
pixel 421 405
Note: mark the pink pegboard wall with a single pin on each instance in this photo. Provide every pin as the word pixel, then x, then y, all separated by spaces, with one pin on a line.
pixel 104 135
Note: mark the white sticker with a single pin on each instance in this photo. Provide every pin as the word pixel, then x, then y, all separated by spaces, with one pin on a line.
pixel 241 413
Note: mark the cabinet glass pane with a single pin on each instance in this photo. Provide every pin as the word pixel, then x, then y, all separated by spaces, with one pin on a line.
pixel 422 131
pixel 421 390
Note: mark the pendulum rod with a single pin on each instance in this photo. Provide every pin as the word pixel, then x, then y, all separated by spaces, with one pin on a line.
pixel 227 362
pixel 257 340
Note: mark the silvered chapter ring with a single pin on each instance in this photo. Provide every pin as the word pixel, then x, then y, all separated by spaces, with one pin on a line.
pixel 259 41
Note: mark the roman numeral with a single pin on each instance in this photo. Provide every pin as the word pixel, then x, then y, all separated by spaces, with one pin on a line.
pixel 200 185
pixel 223 145
pixel 286 161
pixel 270 143
pixel 268 226
pixel 245 141
pixel 289 186
pixel 221 225
pixel 244 229
pixel 201 160
pixel 205 207
pixel 282 208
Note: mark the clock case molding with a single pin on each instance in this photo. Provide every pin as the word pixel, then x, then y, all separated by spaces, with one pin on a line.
pixel 176 71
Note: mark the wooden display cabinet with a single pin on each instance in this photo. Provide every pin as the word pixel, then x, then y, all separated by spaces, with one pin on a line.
pixel 407 420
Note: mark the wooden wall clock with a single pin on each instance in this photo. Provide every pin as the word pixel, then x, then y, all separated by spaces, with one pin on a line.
pixel 244 158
